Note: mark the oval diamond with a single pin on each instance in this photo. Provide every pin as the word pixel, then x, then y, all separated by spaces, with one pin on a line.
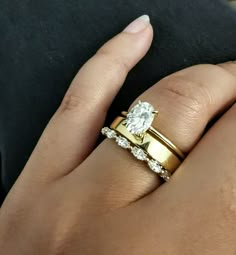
pixel 140 118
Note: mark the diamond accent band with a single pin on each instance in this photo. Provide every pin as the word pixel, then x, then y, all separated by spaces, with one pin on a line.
pixel 137 152
pixel 123 142
pixel 155 166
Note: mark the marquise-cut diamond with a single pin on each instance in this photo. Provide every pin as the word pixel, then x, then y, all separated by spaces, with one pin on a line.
pixel 111 134
pixel 139 153
pixel 155 166
pixel 123 142
pixel 140 118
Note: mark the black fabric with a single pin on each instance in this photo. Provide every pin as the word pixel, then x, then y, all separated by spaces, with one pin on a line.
pixel 43 44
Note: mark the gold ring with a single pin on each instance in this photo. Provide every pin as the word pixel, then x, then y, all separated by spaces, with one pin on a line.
pixel 154 146
pixel 161 137
pixel 135 129
pixel 137 152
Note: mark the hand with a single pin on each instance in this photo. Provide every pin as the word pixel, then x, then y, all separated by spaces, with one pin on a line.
pixel 74 199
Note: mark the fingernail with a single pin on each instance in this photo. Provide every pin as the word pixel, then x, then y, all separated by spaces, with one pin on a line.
pixel 138 25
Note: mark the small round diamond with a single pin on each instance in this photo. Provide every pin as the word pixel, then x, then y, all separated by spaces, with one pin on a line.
pixel 105 130
pixel 155 166
pixel 123 142
pixel 165 175
pixel 166 178
pixel 139 153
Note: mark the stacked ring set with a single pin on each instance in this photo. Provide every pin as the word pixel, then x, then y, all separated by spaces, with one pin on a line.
pixel 133 131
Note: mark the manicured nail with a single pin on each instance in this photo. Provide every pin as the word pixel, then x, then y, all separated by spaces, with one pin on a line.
pixel 138 25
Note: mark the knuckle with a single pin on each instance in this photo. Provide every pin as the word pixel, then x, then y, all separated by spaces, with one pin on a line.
pixel 216 68
pixel 229 68
pixel 189 94
pixel 227 71
pixel 71 103
pixel 115 64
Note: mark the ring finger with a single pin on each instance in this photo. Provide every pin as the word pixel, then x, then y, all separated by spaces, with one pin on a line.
pixel 186 101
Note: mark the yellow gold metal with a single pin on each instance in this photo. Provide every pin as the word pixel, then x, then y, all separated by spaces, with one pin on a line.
pixel 140 137
pixel 165 140
pixel 155 144
pixel 124 113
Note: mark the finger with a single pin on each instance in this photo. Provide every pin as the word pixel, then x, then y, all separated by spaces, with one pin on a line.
pixel 72 132
pixel 189 99
pixel 186 102
pixel 212 163
pixel 203 187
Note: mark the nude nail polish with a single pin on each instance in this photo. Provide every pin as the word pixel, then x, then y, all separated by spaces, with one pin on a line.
pixel 138 25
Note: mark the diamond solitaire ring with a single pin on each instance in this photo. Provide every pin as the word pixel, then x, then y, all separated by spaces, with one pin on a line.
pixel 134 131
pixel 139 120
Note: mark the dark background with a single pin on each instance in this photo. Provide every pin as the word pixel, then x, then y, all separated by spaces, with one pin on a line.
pixel 43 44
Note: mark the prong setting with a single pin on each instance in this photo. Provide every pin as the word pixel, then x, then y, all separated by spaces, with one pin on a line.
pixel 139 119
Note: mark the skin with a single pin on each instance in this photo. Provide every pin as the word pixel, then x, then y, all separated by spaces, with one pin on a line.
pixel 74 199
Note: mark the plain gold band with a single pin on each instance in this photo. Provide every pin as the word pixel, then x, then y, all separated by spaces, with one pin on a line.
pixel 167 142
pixel 153 144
